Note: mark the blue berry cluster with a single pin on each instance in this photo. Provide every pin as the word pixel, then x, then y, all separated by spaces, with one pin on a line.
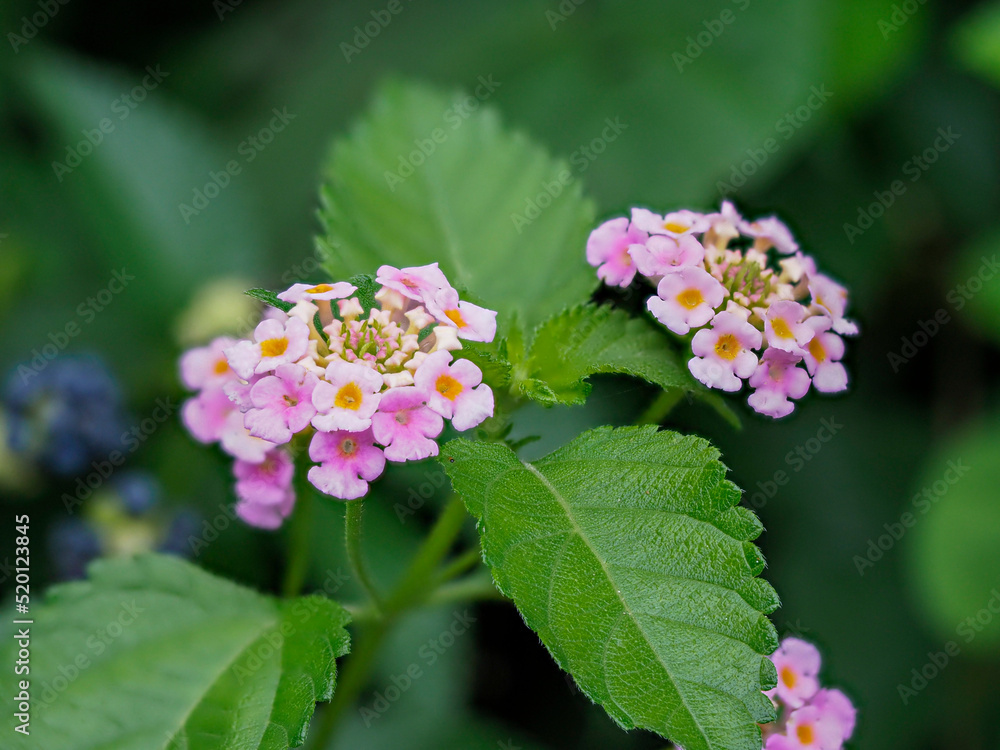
pixel 127 518
pixel 65 416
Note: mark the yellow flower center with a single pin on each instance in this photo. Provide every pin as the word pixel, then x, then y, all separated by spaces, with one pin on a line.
pixel 348 397
pixel 781 329
pixel 221 366
pixel 273 347
pixel 816 349
pixel 690 298
pixel 455 316
pixel 727 346
pixel 788 677
pixel 805 734
pixel 448 387
pixel 672 226
pixel 319 289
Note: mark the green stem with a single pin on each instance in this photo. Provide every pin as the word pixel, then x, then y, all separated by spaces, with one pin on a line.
pixel 419 577
pixel 464 562
pixel 474 588
pixel 353 528
pixel 661 406
pixel 351 682
pixel 301 530
pixel 413 588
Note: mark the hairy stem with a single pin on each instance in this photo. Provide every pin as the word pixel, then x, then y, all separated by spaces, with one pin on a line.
pixel 301 529
pixel 353 529
pixel 662 405
pixel 414 588
pixel 419 578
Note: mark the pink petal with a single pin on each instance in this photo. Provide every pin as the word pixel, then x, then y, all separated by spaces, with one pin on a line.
pixel 472 407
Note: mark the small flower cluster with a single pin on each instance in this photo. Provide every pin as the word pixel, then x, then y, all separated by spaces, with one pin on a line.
pixel 753 319
pixel 810 717
pixel 368 386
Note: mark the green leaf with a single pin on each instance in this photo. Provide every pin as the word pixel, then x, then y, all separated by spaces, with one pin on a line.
pixel 588 340
pixel 457 205
pixel 626 552
pixel 153 652
pixel 269 298
pixel 954 552
pixel 367 289
pixel 973 289
pixel 976 41
pixel 491 359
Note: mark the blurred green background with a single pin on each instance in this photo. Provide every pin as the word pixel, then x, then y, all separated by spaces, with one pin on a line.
pixel 846 93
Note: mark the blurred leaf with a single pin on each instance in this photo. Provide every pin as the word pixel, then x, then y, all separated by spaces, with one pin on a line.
pixel 626 552
pixel 976 41
pixel 154 652
pixel 975 290
pixel 685 128
pixel 955 553
pixel 131 163
pixel 415 183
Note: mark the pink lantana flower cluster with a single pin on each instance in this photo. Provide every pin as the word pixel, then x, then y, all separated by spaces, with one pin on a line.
pixel 364 387
pixel 810 717
pixel 757 306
